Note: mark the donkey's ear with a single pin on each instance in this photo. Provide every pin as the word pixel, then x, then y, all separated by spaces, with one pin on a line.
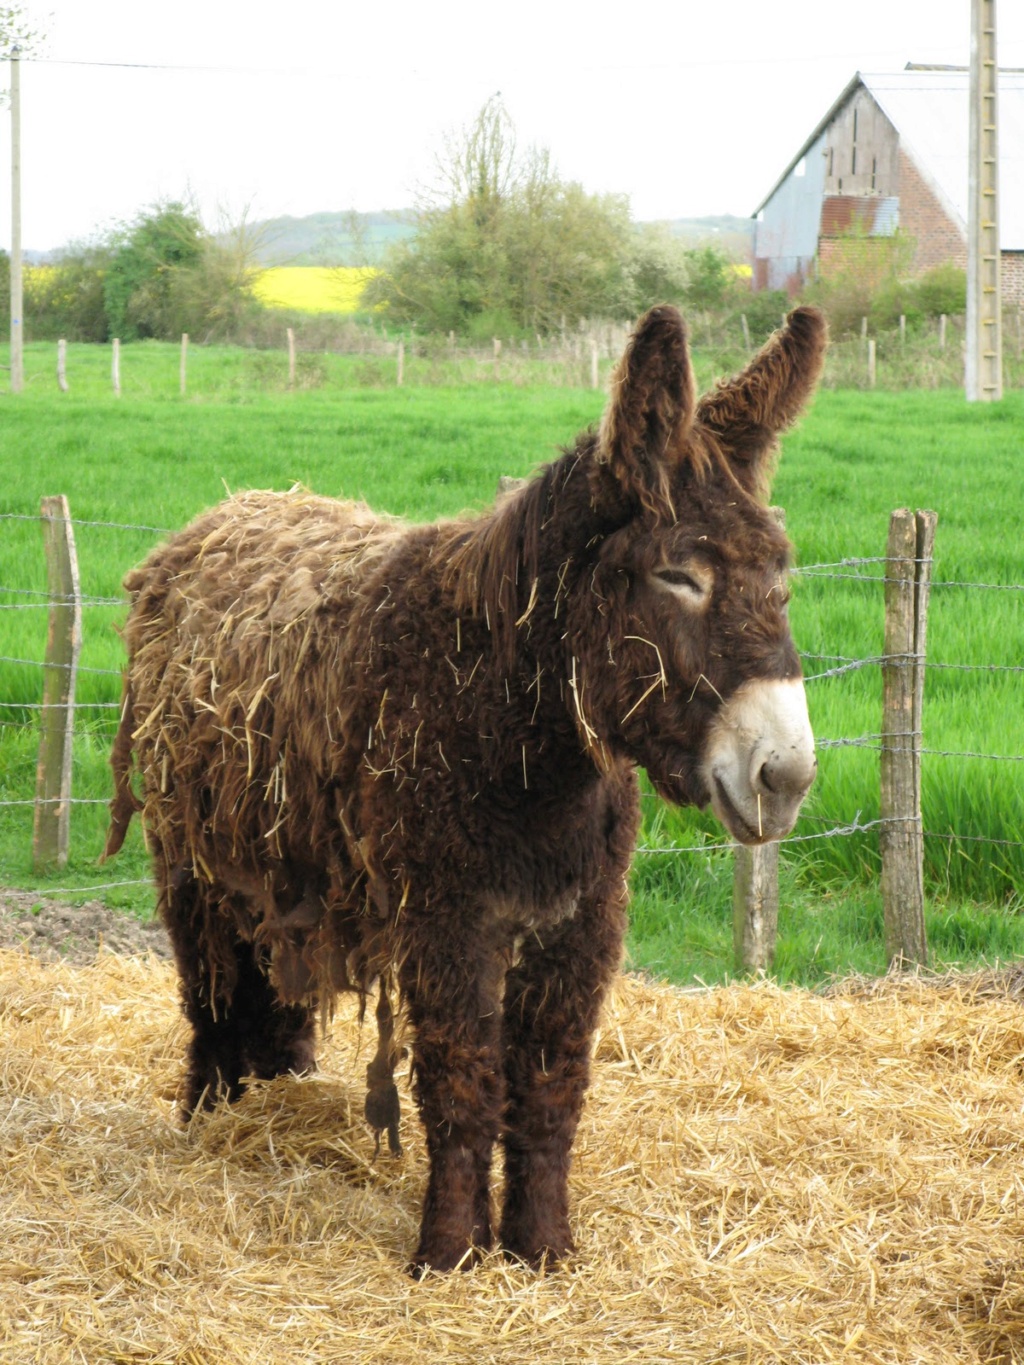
pixel 748 412
pixel 650 410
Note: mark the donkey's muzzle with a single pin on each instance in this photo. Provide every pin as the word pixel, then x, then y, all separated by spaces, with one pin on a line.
pixel 759 762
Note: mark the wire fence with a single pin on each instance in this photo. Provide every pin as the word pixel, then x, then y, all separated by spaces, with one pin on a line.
pixel 15 714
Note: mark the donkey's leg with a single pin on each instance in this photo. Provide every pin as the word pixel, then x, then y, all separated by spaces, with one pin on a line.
pixel 238 1026
pixel 273 1038
pixel 451 986
pixel 207 968
pixel 552 1000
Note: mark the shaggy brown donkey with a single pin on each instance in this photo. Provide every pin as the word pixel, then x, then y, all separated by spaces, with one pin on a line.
pixel 374 751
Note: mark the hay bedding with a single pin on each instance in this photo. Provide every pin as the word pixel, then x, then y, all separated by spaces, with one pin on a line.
pixel 760 1175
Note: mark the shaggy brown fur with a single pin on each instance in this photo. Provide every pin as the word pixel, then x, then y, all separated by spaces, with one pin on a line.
pixel 372 748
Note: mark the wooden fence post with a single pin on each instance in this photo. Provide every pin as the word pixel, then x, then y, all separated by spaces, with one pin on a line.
pixel 872 362
pixel 183 364
pixel 595 378
pixel 401 363
pixel 497 357
pixel 62 365
pixel 115 367
pixel 755 906
pixel 755 890
pixel 291 358
pixel 942 331
pixel 901 840
pixel 52 820
pixel 746 331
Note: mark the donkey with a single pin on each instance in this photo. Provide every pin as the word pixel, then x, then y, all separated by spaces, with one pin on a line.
pixel 406 754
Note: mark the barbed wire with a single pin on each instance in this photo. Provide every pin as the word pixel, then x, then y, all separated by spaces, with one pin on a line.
pixel 81 521
pixel 849 665
pixel 855 826
pixel 824 570
pixel 64 602
pixel 59 801
pixel 43 663
pixel 44 891
pixel 62 705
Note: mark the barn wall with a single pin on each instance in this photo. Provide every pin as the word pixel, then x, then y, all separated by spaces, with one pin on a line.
pixel 786 231
pixel 937 238
pixel 861 150
pixel 1011 279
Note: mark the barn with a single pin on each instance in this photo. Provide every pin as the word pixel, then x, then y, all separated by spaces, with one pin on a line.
pixel 890 156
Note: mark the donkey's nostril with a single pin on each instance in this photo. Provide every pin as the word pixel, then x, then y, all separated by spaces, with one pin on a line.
pixel 765 778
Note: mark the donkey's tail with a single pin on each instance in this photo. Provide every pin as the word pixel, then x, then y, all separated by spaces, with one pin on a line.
pixel 125 802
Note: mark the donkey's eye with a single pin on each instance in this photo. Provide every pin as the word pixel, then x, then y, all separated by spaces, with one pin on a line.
pixel 676 578
pixel 689 585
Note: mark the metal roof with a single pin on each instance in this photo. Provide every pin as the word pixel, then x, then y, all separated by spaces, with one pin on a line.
pixel 929 110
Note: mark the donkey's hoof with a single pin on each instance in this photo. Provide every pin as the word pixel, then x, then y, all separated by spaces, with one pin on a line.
pixel 538 1255
pixel 443 1261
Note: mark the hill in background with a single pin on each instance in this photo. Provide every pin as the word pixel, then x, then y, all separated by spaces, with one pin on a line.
pixel 329 238
pixel 361 238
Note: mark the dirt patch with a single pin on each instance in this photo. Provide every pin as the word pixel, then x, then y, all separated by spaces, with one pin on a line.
pixel 74 933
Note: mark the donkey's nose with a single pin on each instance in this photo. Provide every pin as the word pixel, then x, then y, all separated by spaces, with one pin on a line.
pixel 787 773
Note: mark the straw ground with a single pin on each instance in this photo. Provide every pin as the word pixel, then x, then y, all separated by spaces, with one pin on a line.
pixel 760 1175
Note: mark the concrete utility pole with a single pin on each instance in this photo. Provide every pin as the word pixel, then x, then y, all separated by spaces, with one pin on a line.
pixel 983 381
pixel 17 332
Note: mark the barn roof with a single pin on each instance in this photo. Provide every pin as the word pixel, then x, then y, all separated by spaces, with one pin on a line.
pixel 929 110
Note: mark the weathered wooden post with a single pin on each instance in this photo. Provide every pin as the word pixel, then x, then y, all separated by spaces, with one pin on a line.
pixel 401 363
pixel 62 365
pixel 755 891
pixel 942 331
pixel 872 363
pixel 115 367
pixel 901 840
pixel 52 820
pixel 595 379
pixel 183 364
pixel 497 357
pixel 746 331
pixel 291 358
pixel 755 906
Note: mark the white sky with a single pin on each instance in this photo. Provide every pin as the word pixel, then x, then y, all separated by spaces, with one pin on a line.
pixel 689 108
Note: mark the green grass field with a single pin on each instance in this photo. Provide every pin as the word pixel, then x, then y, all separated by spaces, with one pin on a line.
pixel 153 459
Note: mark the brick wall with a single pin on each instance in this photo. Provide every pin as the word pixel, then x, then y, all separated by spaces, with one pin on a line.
pixel 937 238
pixel 1011 279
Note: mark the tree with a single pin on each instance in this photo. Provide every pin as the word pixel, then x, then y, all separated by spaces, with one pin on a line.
pixel 17 30
pixel 504 244
pixel 139 285
pixel 167 275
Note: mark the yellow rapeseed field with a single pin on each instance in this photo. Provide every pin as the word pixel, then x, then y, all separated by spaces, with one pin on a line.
pixel 312 288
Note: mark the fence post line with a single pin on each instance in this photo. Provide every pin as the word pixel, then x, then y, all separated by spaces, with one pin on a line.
pixel 755 889
pixel 52 815
pixel 401 364
pixel 183 365
pixel 746 331
pixel 901 840
pixel 115 367
pixel 62 365
pixel 291 358
pixel 872 363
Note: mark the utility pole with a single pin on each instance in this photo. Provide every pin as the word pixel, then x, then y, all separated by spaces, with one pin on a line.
pixel 983 380
pixel 17 336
